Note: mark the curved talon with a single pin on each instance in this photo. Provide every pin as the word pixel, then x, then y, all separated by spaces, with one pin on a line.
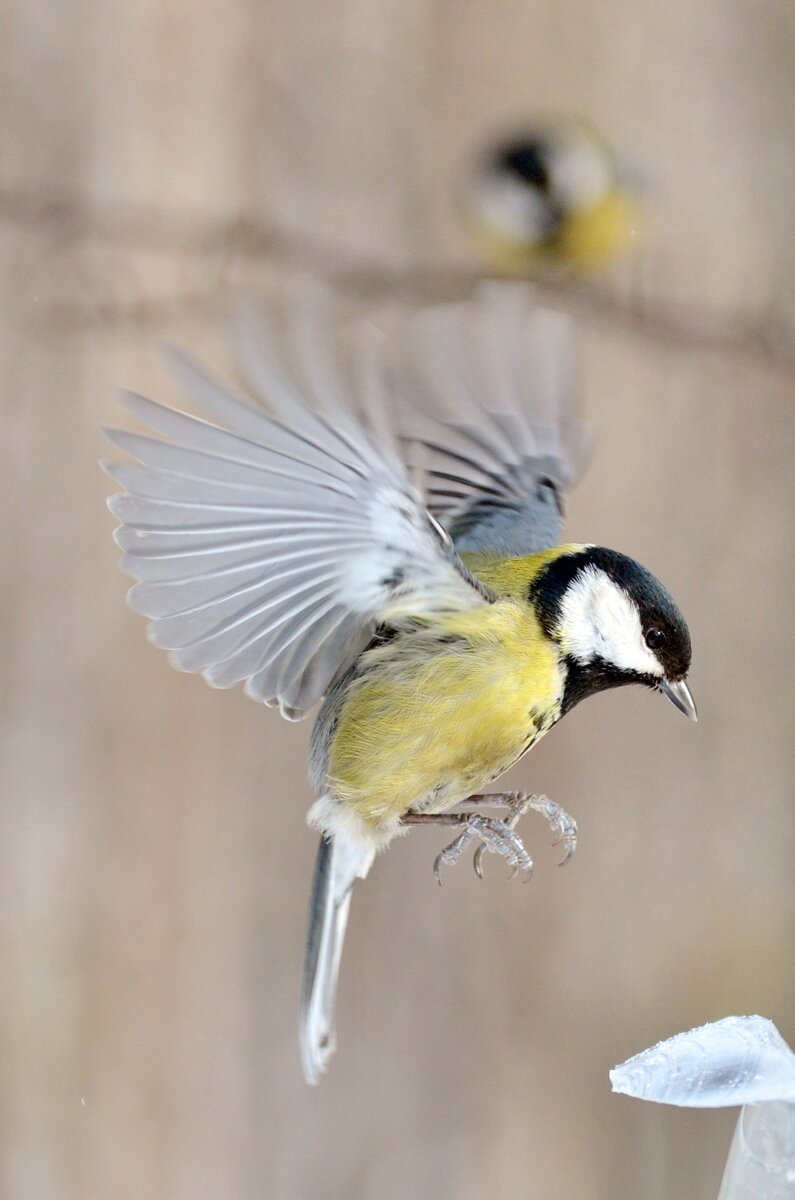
pixel 570 845
pixel 477 863
pixel 566 829
pixel 499 838
pixel 451 854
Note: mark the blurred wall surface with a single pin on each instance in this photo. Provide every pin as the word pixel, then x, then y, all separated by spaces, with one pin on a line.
pixel 154 861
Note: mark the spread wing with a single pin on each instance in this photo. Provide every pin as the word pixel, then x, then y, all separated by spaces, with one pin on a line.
pixel 503 446
pixel 268 545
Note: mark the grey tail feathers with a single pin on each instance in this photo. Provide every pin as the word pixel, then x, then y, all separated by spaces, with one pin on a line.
pixel 339 863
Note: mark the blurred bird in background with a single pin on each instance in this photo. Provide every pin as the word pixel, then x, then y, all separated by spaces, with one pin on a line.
pixel 553 197
pixel 286 545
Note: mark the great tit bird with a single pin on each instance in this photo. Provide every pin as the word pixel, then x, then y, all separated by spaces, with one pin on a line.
pixel 550 197
pixel 286 545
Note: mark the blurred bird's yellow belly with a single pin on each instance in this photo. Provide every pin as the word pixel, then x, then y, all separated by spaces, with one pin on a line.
pixel 436 714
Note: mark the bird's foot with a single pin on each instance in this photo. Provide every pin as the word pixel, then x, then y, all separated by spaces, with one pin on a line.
pixel 497 837
pixel 562 825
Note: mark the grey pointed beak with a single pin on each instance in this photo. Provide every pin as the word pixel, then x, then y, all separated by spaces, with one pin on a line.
pixel 679 694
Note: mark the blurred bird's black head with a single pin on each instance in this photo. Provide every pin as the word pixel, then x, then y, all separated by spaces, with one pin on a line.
pixel 615 624
pixel 526 160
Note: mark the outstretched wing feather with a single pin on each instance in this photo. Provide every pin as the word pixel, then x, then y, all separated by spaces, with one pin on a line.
pixel 267 551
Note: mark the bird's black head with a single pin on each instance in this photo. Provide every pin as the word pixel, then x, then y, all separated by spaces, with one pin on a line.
pixel 615 624
pixel 527 160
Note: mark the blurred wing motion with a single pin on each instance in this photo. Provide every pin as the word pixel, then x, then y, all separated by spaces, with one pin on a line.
pixel 267 549
pixel 502 460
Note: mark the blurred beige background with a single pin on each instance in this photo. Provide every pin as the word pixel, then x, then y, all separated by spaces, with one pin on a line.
pixel 155 862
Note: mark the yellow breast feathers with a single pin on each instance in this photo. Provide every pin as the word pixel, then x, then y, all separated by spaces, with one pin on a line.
pixel 435 714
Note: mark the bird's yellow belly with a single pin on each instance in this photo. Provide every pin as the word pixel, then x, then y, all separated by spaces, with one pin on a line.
pixel 430 722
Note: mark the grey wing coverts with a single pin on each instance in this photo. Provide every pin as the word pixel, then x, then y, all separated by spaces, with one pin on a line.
pixel 503 444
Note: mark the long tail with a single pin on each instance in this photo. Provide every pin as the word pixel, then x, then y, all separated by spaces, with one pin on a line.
pixel 339 863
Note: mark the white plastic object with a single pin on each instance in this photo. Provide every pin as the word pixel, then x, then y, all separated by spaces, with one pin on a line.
pixel 739 1060
pixel 761 1162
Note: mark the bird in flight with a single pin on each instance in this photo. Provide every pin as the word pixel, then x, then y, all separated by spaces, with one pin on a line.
pixel 285 543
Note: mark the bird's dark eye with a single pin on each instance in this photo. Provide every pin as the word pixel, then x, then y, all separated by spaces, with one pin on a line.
pixel 655 638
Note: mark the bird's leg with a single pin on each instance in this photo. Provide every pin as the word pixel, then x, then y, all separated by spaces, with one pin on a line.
pixel 499 837
pixel 562 825
pixel 496 836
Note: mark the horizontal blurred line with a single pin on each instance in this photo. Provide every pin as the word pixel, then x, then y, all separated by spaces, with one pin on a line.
pixel 74 217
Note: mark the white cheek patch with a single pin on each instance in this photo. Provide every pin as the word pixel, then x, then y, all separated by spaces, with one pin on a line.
pixel 599 620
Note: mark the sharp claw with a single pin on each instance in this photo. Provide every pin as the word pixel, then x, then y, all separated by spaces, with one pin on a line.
pixel 566 856
pixel 477 861
pixel 437 862
pixel 569 839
